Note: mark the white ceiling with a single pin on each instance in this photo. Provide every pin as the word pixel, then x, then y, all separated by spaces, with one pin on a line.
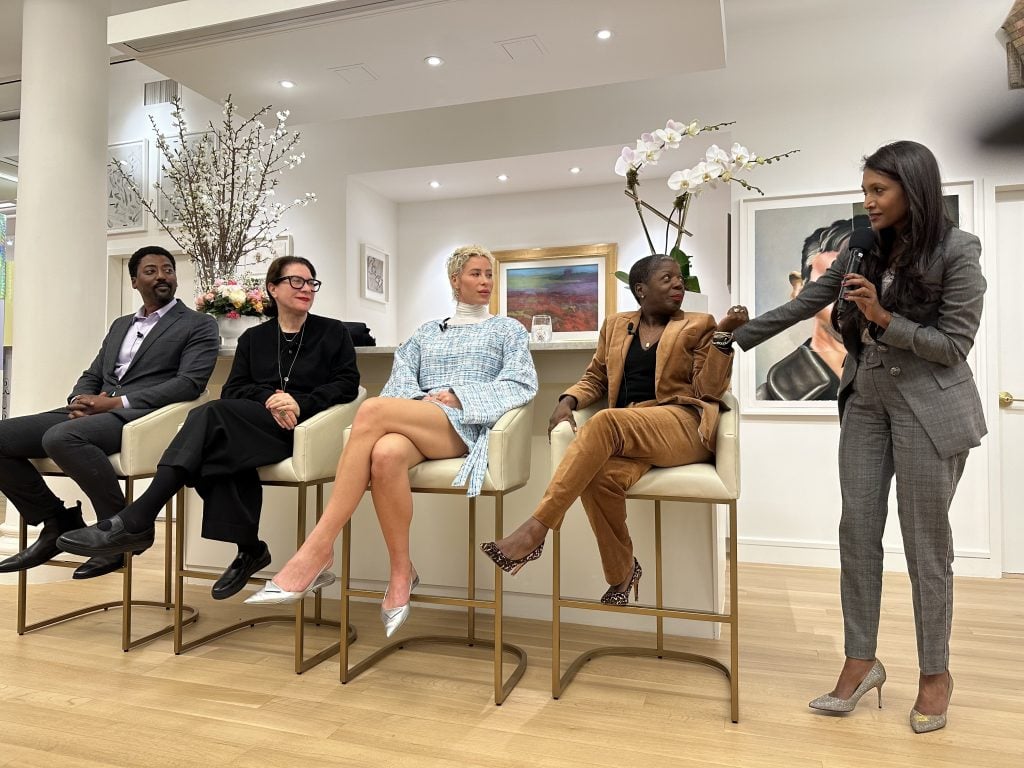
pixel 356 58
pixel 530 174
pixel 493 49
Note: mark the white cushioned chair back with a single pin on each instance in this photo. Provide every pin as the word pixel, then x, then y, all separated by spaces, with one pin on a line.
pixel 317 445
pixel 143 441
pixel 508 456
pixel 715 480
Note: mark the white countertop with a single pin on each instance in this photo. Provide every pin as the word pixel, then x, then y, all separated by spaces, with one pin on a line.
pixel 535 346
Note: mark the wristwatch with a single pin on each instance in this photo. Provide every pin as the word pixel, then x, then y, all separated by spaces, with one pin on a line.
pixel 722 339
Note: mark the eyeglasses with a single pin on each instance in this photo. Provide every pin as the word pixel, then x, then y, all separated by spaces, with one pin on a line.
pixel 298 283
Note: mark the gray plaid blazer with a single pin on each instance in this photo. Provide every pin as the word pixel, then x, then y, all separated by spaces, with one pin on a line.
pixel 927 359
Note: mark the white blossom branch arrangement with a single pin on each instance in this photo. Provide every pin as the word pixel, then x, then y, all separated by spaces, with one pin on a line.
pixel 219 191
pixel 718 165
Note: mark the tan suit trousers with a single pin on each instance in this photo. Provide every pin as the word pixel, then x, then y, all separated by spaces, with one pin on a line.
pixel 613 450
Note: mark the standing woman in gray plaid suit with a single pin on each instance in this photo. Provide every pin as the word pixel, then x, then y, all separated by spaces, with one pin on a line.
pixel 450 382
pixel 908 407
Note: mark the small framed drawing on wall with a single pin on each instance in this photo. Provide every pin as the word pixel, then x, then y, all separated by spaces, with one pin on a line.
pixel 374 274
pixel 125 212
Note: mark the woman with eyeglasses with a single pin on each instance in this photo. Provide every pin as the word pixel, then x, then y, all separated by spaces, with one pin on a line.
pixel 285 371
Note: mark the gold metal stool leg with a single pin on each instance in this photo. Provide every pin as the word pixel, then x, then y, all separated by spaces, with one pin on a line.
pixel 502 687
pixel 126 603
pixel 560 681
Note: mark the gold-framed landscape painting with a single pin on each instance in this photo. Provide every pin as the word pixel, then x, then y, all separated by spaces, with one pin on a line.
pixel 574 285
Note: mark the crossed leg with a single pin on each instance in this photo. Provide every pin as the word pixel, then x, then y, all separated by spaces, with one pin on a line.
pixel 389 436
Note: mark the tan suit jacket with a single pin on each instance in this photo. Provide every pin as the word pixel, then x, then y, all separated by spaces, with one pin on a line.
pixel 689 369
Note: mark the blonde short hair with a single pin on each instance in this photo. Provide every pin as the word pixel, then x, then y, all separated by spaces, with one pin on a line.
pixel 457 261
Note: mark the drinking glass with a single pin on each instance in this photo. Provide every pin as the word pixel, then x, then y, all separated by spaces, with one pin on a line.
pixel 541 328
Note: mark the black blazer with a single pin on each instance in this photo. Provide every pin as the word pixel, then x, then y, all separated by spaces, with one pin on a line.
pixel 172 364
pixel 324 371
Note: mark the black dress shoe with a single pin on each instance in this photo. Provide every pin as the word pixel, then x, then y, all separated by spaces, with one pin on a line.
pixel 239 572
pixel 100 565
pixel 93 541
pixel 44 548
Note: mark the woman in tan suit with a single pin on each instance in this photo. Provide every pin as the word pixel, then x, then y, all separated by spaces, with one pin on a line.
pixel 662 372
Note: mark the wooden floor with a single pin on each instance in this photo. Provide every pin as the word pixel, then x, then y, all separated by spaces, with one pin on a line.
pixel 70 697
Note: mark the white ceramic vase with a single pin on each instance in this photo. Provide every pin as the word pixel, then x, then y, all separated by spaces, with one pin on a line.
pixel 233 327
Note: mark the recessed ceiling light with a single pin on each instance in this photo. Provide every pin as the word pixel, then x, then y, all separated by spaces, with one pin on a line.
pixel 502 177
pixel 575 169
pixel 435 184
pixel 434 61
pixel 603 34
pixel 286 83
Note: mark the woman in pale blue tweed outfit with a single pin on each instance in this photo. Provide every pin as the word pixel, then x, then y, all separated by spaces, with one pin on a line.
pixel 450 383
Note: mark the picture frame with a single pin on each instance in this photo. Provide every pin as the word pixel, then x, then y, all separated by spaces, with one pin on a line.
pixel 125 212
pixel 373 273
pixel 163 206
pixel 773 235
pixel 574 284
pixel 256 262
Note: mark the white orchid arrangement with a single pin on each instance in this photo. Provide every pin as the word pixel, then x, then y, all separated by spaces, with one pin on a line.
pixel 219 188
pixel 717 165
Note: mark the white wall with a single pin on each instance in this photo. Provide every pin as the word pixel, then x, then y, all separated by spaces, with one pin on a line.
pixel 429 232
pixel 372 219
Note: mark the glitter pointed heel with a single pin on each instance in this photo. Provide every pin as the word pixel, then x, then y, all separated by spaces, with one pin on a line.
pixel 875 678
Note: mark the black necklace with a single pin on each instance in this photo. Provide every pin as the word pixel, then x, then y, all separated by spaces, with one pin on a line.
pixel 284 378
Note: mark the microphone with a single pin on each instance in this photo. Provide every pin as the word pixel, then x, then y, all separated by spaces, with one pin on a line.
pixel 861 241
pixel 443 325
pixel 629 329
pixel 138 334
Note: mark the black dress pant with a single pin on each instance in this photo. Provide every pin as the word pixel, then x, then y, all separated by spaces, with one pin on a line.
pixel 80 447
pixel 220 446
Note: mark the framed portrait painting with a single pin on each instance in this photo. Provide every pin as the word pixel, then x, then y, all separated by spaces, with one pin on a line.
pixel 574 285
pixel 125 212
pixel 786 243
pixel 373 280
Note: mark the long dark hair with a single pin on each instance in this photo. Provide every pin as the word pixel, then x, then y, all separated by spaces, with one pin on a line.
pixel 274 274
pixel 914 168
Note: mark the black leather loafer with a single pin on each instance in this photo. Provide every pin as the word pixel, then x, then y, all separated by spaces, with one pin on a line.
pixel 93 541
pixel 44 548
pixel 100 565
pixel 239 572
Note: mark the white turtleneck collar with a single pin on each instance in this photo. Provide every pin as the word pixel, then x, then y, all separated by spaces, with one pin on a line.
pixel 469 314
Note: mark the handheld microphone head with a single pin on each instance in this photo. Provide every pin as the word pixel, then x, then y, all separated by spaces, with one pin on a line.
pixel 861 240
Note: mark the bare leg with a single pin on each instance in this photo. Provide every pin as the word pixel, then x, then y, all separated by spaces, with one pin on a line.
pixel 932 694
pixel 427 428
pixel 390 461
pixel 524 539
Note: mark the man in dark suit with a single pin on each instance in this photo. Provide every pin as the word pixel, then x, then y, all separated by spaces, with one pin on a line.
pixel 162 354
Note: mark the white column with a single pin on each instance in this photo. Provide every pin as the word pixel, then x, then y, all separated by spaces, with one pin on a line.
pixel 59 290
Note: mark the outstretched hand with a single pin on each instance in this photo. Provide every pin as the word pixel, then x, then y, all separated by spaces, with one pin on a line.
pixel 733 319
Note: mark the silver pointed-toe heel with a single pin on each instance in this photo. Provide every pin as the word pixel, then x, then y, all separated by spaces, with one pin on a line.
pixel 271 594
pixel 920 723
pixel 875 678
pixel 394 618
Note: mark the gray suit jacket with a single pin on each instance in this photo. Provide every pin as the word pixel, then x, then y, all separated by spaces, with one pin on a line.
pixel 172 364
pixel 927 359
